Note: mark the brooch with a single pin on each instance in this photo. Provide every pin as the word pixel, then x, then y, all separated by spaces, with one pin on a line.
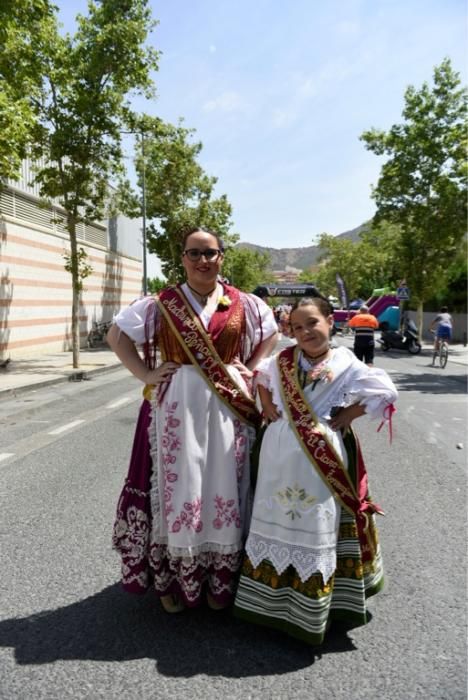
pixel 321 372
pixel 224 302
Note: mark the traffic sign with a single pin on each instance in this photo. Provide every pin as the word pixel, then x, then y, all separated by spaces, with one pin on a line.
pixel 403 293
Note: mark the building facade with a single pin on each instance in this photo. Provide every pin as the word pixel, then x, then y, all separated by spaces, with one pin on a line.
pixel 35 288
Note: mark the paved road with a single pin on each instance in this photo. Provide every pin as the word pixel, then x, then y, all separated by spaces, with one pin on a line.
pixel 68 631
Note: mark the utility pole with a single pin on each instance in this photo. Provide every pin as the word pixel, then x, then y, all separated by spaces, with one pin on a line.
pixel 143 203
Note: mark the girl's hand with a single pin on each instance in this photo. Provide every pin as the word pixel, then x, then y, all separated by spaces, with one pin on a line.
pixel 161 374
pixel 344 417
pixel 270 412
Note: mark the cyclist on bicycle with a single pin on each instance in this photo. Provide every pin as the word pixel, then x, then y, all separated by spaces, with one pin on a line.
pixel 443 329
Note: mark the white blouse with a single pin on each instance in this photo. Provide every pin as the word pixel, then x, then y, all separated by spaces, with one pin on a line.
pixel 350 381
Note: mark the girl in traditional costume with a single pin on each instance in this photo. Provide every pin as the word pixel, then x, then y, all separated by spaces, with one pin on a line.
pixel 312 554
pixel 183 514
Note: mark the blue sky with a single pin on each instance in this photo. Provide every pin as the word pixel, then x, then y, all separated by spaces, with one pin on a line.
pixel 279 92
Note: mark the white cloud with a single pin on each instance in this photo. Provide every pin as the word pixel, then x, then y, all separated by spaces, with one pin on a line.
pixel 301 88
pixel 307 87
pixel 212 48
pixel 348 28
pixel 283 118
pixel 228 101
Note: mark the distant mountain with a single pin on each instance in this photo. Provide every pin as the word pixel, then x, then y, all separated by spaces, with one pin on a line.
pixel 300 258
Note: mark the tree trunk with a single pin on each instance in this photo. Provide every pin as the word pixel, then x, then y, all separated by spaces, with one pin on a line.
pixel 419 319
pixel 76 293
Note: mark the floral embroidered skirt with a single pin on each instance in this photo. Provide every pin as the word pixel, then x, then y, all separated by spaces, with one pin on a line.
pixel 184 510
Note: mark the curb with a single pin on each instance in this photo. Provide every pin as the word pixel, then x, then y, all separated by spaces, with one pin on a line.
pixel 87 374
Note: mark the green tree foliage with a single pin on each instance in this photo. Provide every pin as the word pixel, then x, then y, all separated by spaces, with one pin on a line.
pixel 76 99
pixel 84 268
pixel 380 244
pixel 246 268
pixel 156 284
pixel 23 23
pixel 338 255
pixel 423 184
pixel 308 275
pixel 367 264
pixel 179 194
pixel 454 295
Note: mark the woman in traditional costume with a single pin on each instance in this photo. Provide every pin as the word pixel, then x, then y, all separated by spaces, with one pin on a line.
pixel 312 554
pixel 183 514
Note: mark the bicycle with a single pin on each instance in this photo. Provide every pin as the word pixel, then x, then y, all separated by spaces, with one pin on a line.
pixel 97 334
pixel 442 352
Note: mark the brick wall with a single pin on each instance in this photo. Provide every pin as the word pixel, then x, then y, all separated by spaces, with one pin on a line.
pixel 35 289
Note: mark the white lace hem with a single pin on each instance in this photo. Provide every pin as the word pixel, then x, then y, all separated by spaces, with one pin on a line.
pixel 196 550
pixel 306 561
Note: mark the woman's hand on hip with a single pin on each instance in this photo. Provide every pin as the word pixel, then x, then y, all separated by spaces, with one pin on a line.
pixel 161 374
pixel 245 372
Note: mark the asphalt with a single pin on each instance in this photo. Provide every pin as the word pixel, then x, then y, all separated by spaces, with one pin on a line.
pixel 20 375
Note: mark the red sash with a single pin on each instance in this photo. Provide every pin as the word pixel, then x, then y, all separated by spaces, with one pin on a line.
pixel 353 497
pixel 201 352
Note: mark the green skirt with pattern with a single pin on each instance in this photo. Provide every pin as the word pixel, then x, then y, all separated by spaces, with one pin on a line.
pixel 303 609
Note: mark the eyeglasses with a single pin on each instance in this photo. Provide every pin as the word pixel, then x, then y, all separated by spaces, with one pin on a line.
pixel 210 254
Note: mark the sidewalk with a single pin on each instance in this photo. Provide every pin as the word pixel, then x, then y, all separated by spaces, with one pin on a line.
pixel 23 374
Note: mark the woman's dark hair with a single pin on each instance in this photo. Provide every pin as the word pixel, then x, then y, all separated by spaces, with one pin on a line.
pixel 443 309
pixel 322 304
pixel 196 229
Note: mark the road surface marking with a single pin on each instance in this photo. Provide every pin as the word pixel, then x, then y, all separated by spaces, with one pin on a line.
pixel 41 439
pixel 119 402
pixel 63 428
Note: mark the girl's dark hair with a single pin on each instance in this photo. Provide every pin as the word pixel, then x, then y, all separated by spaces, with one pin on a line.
pixel 196 229
pixel 443 309
pixel 322 304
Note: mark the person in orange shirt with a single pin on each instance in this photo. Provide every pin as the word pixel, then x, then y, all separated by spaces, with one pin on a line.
pixel 364 324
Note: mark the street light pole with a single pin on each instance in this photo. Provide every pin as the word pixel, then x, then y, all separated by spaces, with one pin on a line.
pixel 143 203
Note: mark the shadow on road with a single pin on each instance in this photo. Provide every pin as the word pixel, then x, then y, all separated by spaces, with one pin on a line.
pixel 441 382
pixel 115 626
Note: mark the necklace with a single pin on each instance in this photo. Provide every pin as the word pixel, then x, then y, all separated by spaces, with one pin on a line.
pixel 317 357
pixel 203 297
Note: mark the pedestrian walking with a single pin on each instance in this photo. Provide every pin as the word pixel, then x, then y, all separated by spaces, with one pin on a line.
pixel 312 554
pixel 364 324
pixel 185 506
